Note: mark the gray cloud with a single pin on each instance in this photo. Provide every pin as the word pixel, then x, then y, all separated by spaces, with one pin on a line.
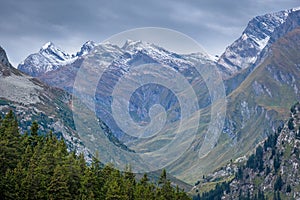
pixel 26 25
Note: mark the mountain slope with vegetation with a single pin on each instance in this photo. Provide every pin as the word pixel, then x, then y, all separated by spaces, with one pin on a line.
pixel 31 100
pixel 51 107
pixel 270 172
pixel 253 111
pixel 40 167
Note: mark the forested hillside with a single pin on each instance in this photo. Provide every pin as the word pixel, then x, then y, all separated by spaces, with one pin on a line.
pixel 40 167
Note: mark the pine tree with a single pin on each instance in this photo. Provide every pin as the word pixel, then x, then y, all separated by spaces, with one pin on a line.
pixel 291 124
pixel 288 188
pixel 144 180
pixel 166 191
pixel 10 148
pixel 278 183
pixel 74 175
pixel 163 177
pixel 13 188
pixel 276 163
pixel 129 182
pixel 34 129
pixel 114 187
pixel 180 194
pixel 144 189
pixel 58 188
pixel 10 155
pixel 88 185
pixel 239 174
pixel 31 184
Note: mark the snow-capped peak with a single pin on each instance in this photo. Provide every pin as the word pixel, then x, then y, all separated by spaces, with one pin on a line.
pixel 47 45
pixel 162 55
pixel 245 51
pixel 86 48
pixel 137 45
pixel 54 53
pixel 48 58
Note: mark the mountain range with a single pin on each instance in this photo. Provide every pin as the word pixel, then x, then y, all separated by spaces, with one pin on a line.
pixel 51 58
pixel 260 71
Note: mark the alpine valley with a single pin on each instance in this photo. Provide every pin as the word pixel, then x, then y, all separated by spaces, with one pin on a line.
pixel 260 71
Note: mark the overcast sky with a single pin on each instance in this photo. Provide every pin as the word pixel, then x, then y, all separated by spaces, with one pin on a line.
pixel 25 25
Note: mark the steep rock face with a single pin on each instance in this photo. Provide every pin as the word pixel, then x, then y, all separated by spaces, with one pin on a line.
pixel 291 22
pixel 86 48
pixel 3 57
pixel 260 31
pixel 4 64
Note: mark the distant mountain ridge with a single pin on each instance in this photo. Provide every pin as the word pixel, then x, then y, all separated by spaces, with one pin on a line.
pixel 118 61
pixel 50 58
pixel 246 52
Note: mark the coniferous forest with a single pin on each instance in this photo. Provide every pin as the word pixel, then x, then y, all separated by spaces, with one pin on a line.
pixel 33 166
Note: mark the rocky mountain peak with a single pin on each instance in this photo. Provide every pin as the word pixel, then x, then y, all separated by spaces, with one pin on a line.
pixel 47 45
pixel 246 50
pixel 133 44
pixel 6 68
pixel 54 53
pixel 50 58
pixel 86 48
